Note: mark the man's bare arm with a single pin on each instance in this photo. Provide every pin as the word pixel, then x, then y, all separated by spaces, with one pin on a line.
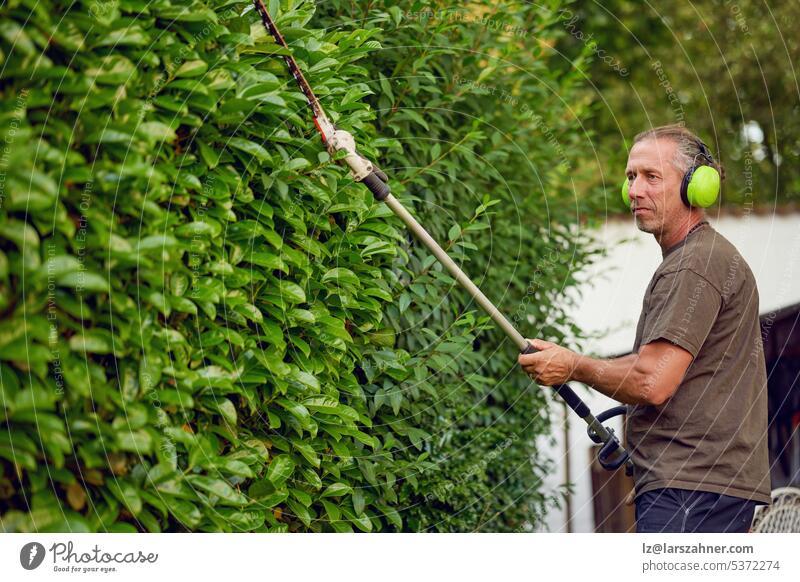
pixel 649 377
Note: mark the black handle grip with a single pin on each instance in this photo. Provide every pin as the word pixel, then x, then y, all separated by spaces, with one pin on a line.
pixel 608 450
pixel 573 400
pixel 611 446
pixel 568 394
pixel 379 188
pixel 612 412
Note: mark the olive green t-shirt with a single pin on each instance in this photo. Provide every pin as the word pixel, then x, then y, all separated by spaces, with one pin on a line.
pixel 711 435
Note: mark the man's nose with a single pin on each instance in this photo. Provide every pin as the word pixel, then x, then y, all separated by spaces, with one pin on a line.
pixel 635 189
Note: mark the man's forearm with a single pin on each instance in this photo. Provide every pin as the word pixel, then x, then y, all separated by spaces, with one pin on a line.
pixel 619 378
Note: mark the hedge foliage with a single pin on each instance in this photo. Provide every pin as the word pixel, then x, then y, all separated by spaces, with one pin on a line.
pixel 207 326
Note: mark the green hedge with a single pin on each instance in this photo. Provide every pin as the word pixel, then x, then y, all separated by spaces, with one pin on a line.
pixel 207 326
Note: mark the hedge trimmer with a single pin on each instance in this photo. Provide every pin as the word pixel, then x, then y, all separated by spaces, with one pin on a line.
pixel 611 455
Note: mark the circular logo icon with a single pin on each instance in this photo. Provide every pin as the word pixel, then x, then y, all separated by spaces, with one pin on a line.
pixel 31 555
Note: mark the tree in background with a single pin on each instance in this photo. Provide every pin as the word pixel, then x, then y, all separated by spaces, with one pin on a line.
pixel 725 68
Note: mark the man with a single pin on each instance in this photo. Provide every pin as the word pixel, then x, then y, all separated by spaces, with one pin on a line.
pixel 696 381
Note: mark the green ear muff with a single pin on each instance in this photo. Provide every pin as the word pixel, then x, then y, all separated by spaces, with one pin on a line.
pixel 626 199
pixel 701 189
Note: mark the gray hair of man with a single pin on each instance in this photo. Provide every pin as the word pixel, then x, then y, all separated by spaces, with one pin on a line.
pixel 689 151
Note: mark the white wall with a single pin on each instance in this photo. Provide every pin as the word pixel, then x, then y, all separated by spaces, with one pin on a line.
pixel 612 293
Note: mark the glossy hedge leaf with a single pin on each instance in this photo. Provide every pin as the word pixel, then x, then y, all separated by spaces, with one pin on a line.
pixel 218 488
pixel 280 469
pixel 337 490
pixel 251 148
pixel 291 292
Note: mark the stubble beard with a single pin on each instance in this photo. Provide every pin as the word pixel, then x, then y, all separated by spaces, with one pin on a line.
pixel 645 225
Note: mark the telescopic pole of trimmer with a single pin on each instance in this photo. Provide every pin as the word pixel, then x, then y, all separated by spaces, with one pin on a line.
pixel 569 396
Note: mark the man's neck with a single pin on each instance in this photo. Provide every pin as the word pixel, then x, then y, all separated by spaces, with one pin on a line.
pixel 670 239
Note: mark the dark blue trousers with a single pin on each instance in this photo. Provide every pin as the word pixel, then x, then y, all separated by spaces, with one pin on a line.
pixel 680 510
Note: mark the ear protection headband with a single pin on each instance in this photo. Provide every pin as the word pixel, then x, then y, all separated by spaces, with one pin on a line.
pixel 700 184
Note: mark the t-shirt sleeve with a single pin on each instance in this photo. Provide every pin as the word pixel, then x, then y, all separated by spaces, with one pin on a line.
pixel 682 308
